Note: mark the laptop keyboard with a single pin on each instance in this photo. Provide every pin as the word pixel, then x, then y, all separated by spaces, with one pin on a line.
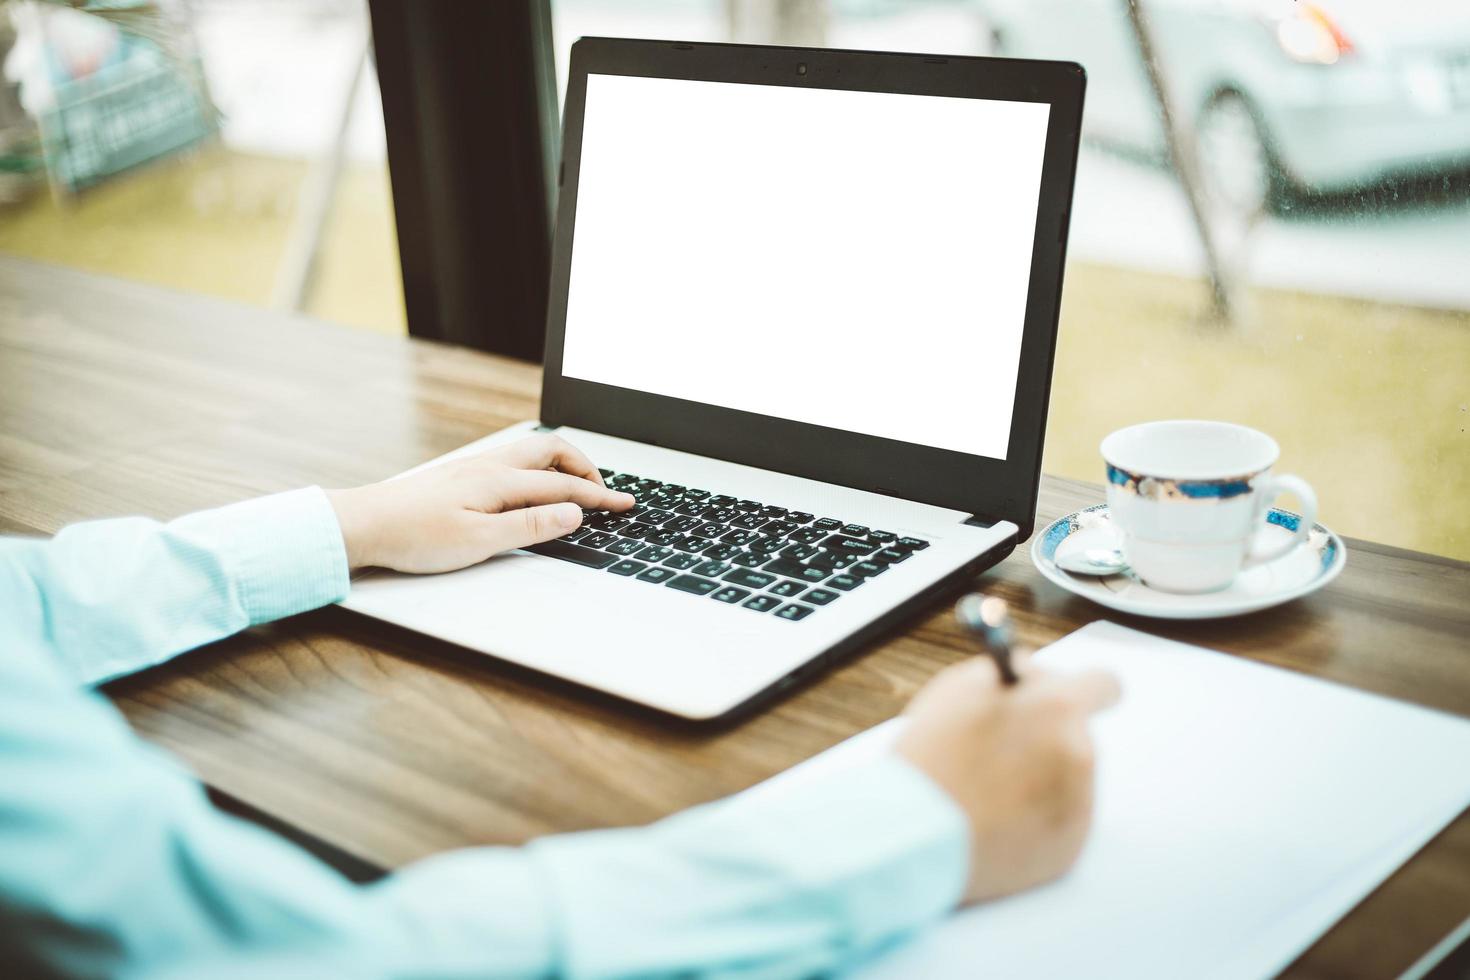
pixel 763 558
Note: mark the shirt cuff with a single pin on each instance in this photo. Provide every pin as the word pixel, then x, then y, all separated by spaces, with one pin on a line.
pixel 284 552
pixel 802 880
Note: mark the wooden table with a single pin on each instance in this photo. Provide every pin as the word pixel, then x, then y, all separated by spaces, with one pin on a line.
pixel 117 398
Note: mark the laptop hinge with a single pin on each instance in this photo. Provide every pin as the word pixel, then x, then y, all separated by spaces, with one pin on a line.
pixel 543 427
pixel 979 520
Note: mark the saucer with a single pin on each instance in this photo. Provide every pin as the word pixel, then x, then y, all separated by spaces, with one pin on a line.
pixel 1304 570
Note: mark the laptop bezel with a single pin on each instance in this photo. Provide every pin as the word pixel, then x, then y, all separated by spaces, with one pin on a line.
pixel 989 489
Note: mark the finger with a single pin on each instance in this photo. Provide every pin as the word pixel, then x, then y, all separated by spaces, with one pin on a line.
pixel 1094 690
pixel 1023 661
pixel 524 488
pixel 550 452
pixel 526 526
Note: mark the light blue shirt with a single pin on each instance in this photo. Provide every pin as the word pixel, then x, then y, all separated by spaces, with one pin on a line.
pixel 113 863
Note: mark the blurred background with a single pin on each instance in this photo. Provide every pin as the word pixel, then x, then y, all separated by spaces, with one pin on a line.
pixel 1287 246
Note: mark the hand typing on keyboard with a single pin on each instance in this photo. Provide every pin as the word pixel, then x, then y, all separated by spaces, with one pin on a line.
pixel 759 556
pixel 463 511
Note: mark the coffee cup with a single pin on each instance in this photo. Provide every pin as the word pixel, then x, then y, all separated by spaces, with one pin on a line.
pixel 1189 498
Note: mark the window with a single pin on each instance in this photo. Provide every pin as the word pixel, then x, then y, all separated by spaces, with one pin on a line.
pixel 112 160
pixel 1308 276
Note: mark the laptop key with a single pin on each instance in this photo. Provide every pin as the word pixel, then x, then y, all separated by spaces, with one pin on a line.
pixel 748 505
pixel 693 584
pixel 882 537
pixel 637 530
pixel 579 533
pixel 796 570
pixel 793 612
pixel 820 597
pixel 625 547
pixel 721 500
pixel 800 517
pixel 867 569
pixel 722 514
pixel 662 539
pixel 749 579
pixel 750 522
pixel 751 559
pixel 713 569
pixel 739 536
pixel 690 543
pixel 627 567
pixel 833 561
pixel 889 556
pixel 856 530
pixel 721 552
pixel 787 588
pixel 695 494
pixel 573 553
pixel 766 545
pixel 599 539
pixel 846 582
pixel 773 513
pixel 911 544
pixel 729 594
pixel 606 474
pixel 657 574
pixel 710 529
pixel 654 554
pixel 655 516
pixel 799 552
pixel 762 603
pixel 827 524
pixel 807 535
pixel 681 562
pixel 841 542
pixel 682 524
pixel 692 508
pixel 779 528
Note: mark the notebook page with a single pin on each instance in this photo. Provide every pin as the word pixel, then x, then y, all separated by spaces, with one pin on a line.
pixel 1241 810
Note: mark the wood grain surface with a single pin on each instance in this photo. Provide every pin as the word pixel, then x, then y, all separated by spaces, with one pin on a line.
pixel 117 398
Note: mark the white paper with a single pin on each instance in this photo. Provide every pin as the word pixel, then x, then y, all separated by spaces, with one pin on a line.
pixel 1241 811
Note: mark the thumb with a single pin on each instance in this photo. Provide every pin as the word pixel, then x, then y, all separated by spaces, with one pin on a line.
pixel 530 525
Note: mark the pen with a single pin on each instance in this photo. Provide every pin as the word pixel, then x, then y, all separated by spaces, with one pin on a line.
pixel 989 618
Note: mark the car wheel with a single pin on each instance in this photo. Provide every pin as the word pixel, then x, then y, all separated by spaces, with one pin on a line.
pixel 1239 169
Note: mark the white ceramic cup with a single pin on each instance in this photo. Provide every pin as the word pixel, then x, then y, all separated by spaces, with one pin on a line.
pixel 1189 498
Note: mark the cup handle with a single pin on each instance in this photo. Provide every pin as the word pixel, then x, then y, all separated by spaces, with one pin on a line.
pixel 1274 487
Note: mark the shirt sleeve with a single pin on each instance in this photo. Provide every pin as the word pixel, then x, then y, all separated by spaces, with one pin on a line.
pixel 113 863
pixel 108 598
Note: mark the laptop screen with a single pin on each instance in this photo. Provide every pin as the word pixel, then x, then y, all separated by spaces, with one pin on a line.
pixel 855 260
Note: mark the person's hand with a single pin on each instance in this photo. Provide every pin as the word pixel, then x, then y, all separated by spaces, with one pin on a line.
pixel 1018 761
pixel 462 512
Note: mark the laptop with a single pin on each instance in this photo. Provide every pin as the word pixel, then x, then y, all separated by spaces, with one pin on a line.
pixel 803 307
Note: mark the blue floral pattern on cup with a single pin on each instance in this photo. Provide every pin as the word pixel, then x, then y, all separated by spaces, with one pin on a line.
pixel 1155 488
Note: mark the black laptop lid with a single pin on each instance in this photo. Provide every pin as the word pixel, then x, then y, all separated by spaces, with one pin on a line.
pixel 841 265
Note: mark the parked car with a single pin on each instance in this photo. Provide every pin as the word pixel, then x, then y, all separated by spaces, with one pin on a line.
pixel 1283 97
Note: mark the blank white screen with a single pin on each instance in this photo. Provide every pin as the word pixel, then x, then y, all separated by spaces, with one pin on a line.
pixel 857 260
